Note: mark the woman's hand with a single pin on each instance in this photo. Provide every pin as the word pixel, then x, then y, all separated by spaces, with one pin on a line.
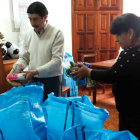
pixel 81 71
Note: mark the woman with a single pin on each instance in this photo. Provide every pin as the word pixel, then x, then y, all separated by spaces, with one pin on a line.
pixel 124 74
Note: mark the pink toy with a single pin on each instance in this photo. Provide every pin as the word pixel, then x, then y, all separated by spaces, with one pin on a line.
pixel 17 69
pixel 19 76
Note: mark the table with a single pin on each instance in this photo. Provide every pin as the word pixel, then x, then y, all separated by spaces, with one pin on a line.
pixel 66 90
pixel 102 65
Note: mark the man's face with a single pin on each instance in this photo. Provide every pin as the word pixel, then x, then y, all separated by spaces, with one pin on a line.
pixel 37 21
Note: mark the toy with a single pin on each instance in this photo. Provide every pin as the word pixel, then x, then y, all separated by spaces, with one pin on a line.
pixel 14 78
pixel 17 77
pixel 14 83
pixel 12 50
pixel 4 51
pixel 70 69
pixel 84 81
pixel 18 68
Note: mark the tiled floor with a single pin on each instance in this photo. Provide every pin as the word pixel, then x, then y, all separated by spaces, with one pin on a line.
pixel 107 97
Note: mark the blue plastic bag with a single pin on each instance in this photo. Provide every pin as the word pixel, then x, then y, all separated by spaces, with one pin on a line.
pixel 68 81
pixel 15 122
pixel 84 99
pixel 91 116
pixel 1 135
pixel 78 132
pixel 62 113
pixel 55 112
pixel 33 93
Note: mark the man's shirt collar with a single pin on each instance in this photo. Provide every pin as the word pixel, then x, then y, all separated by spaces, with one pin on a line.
pixel 42 30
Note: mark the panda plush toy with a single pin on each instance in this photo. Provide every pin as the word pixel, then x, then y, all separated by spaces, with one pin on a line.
pixel 4 51
pixel 12 50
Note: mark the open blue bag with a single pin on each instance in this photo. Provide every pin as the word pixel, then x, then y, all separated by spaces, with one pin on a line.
pixel 85 104
pixel 68 81
pixel 62 114
pixel 33 93
pixel 90 116
pixel 1 135
pixel 15 122
pixel 56 113
pixel 84 99
pixel 80 133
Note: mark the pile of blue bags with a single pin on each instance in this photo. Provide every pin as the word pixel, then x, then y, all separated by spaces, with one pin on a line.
pixel 24 116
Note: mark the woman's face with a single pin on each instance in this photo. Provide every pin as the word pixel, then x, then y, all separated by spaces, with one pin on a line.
pixel 124 40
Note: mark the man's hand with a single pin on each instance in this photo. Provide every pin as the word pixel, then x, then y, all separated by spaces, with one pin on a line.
pixel 81 71
pixel 29 74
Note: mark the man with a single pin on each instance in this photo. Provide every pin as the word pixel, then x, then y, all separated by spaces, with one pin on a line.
pixel 42 51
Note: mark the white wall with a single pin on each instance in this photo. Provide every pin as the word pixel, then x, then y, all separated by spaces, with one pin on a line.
pixel 59 15
pixel 131 6
pixel 5 22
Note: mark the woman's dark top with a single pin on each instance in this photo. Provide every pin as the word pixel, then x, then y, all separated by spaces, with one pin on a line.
pixel 125 78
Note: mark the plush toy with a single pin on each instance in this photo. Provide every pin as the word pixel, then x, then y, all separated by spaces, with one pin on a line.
pixel 16 75
pixel 84 81
pixel 70 69
pixel 14 83
pixel 12 50
pixel 4 51
pixel 14 79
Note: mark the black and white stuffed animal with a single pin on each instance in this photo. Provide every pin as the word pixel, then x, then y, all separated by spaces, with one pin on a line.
pixel 4 51
pixel 12 50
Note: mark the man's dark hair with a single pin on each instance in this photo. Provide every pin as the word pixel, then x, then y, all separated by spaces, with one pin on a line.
pixel 37 8
pixel 125 22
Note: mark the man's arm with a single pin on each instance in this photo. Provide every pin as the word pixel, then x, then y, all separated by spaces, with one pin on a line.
pixel 23 60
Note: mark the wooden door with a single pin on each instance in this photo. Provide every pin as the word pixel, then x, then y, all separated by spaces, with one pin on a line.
pixel 91 21
pixel 107 47
pixel 114 46
pixel 84 5
pixel 109 5
pixel 84 34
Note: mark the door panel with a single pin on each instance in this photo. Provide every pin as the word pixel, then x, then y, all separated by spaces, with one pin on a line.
pixel 80 22
pixel 85 31
pixel 114 46
pixel 109 5
pixel 103 35
pixel 106 41
pixel 104 55
pixel 84 5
